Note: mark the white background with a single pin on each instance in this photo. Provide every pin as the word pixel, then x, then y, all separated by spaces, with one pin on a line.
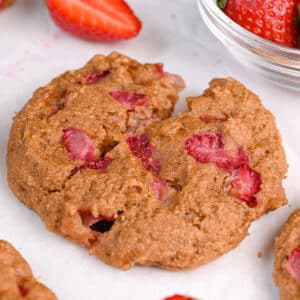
pixel 33 50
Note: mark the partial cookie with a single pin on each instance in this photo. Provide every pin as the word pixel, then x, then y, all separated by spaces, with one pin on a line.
pixel 175 194
pixel 287 260
pixel 16 278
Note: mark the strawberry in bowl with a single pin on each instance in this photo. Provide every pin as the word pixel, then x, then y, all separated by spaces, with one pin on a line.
pixel 274 20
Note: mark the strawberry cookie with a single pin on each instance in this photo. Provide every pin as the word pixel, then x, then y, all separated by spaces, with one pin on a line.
pixel 177 193
pixel 16 278
pixel 287 262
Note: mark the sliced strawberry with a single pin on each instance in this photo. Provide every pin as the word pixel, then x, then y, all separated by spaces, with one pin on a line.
pixel 96 77
pixel 293 264
pixel 273 20
pixel 178 297
pixel 141 147
pixel 79 145
pixel 209 148
pixel 130 100
pixel 95 19
pixel 244 184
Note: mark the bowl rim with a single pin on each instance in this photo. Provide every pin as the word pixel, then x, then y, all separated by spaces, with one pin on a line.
pixel 212 4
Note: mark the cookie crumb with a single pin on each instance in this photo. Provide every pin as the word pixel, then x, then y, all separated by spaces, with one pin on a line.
pixel 259 254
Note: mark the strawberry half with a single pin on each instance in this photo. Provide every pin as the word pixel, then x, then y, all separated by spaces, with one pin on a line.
pixel 100 20
pixel 274 20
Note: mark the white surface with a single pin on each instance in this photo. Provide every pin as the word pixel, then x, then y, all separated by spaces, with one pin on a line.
pixel 33 50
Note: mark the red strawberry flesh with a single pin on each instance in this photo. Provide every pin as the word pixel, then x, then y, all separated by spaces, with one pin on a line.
pixel 95 19
pixel 130 100
pixel 293 264
pixel 141 147
pixel 244 182
pixel 271 19
pixel 96 77
pixel 79 145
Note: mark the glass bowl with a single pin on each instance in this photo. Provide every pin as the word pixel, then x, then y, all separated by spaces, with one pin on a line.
pixel 275 62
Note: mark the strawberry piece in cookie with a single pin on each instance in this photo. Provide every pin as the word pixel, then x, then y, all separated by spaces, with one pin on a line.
pixel 130 100
pixel 209 148
pixel 93 78
pixel 293 264
pixel 141 147
pixel 79 145
pixel 244 183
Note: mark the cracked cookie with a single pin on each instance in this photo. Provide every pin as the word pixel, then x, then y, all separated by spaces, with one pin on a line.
pixel 176 193
pixel 16 278
pixel 287 259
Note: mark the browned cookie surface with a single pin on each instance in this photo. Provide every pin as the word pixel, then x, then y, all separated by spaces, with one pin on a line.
pixel 287 259
pixel 175 194
pixel 16 278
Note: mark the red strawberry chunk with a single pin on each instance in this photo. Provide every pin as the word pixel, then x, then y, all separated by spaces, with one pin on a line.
pixel 141 147
pixel 178 297
pixel 79 145
pixel 207 148
pixel 160 69
pixel 131 100
pixel 23 291
pixel 96 77
pixel 293 264
pixel 244 184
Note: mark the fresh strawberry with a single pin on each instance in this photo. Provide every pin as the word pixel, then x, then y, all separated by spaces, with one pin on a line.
pixel 178 297
pixel 95 19
pixel 273 20
pixel 131 100
pixel 293 264
pixel 5 3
